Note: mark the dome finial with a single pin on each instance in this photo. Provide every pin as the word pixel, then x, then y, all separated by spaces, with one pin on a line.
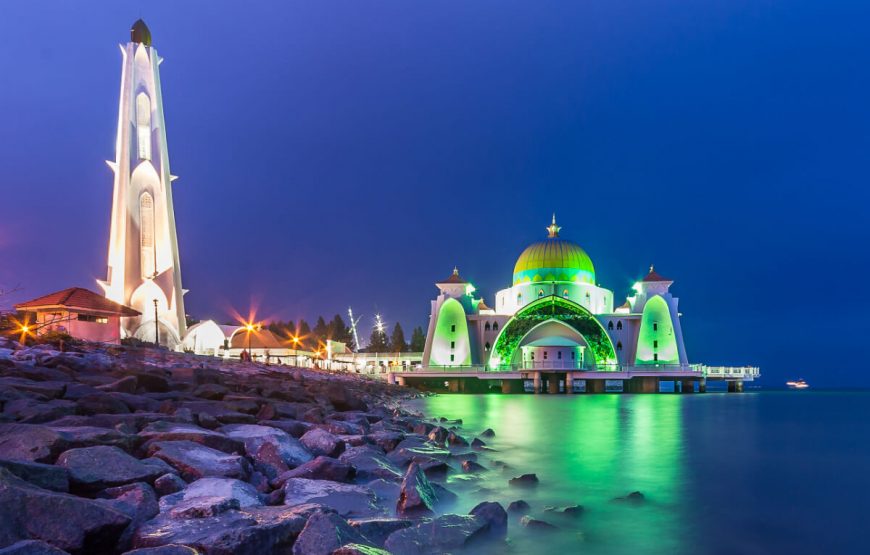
pixel 140 33
pixel 553 229
pixel 652 268
pixel 456 270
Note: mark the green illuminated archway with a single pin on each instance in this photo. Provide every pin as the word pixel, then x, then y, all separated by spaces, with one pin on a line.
pixel 551 308
pixel 656 342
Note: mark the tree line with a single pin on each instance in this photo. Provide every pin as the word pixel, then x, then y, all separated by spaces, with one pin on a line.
pixel 314 338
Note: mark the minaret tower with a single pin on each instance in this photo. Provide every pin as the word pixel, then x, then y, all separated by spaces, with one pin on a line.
pixel 144 268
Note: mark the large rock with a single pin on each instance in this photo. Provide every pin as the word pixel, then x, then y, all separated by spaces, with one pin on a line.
pixel 126 384
pixel 196 461
pixel 416 496
pixel 176 431
pixel 253 437
pixel 90 436
pixel 101 403
pixel 31 547
pixel 348 500
pixel 31 442
pixel 495 515
pixel 377 529
pixel 524 481
pixel 321 442
pixel 343 398
pixel 242 493
pixel 30 411
pixel 169 483
pixel 324 533
pixel 295 428
pixel 370 463
pixel 43 475
pixel 95 468
pixel 251 531
pixel 321 468
pixel 445 534
pixel 385 439
pixel 70 523
pixel 138 501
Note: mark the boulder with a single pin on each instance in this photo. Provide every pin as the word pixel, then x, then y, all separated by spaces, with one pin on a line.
pixel 33 412
pixel 572 510
pixel 31 547
pixel 241 493
pixel 43 475
pixel 445 534
pixel 126 384
pixel 321 468
pixel 348 500
pixel 253 437
pixel 268 461
pixel 438 434
pixel 487 433
pixel 321 442
pixel 31 442
pixel 477 443
pixel 416 496
pixel 633 498
pixel 202 507
pixel 472 466
pixel 537 525
pixel 359 549
pixel 344 398
pixel 526 480
pixel 179 431
pixel 377 530
pixel 138 501
pixel 370 463
pixel 101 403
pixel 324 533
pixel 168 483
pixel 70 523
pixel 457 440
pixel 293 427
pixel 519 507
pixel 211 391
pixel 251 531
pixel 90 436
pixel 95 468
pixel 495 515
pixel 194 461
pixel 386 440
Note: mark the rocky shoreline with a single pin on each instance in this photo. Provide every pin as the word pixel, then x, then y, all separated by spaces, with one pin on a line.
pixel 121 450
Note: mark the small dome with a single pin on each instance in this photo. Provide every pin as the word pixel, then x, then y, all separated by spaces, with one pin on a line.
pixel 554 259
pixel 140 33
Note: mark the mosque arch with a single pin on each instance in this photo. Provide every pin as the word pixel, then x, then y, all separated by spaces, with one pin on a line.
pixel 451 345
pixel 575 316
pixel 656 341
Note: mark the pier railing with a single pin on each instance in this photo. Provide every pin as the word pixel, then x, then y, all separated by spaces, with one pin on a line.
pixel 733 372
pixel 701 370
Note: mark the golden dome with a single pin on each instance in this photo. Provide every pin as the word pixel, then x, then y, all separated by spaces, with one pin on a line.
pixel 554 259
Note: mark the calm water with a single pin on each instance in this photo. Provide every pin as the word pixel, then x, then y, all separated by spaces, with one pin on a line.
pixel 771 472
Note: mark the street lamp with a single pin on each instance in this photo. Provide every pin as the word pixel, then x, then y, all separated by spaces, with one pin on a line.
pixel 295 350
pixel 251 328
pixel 156 326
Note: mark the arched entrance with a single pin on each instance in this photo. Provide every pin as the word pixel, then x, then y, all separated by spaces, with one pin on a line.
pixel 599 348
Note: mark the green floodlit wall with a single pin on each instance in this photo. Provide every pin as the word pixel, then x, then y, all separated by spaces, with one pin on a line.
pixel 451 314
pixel 551 308
pixel 656 311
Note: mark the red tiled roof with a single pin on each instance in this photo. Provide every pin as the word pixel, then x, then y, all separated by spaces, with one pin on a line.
pixel 78 298
pixel 654 276
pixel 454 278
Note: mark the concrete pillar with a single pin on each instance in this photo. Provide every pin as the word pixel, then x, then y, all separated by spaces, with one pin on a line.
pixel 453 385
pixel 688 386
pixel 537 382
pixel 594 386
pixel 400 380
pixel 702 386
pixel 735 387
pixel 569 383
pixel 391 378
pixel 506 386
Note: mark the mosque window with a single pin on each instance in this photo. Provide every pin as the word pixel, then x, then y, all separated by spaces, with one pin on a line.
pixel 572 355
pixel 545 355
pixel 453 328
pixel 451 358
pixel 143 126
pixel 146 235
pixel 588 298
pixel 559 355
pixel 532 355
pixel 655 326
pixel 655 343
pixel 486 347
pixel 619 345
pixel 519 298
pixel 565 293
pixel 610 325
pixel 453 344
pixel 486 327
pixel 619 325
pixel 655 357
pixel 495 326
pixel 540 292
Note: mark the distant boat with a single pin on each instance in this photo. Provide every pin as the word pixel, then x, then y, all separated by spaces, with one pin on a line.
pixel 799 384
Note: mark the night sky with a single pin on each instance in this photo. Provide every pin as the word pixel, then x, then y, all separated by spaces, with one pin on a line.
pixel 351 153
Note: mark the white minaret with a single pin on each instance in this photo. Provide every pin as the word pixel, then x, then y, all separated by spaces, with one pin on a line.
pixel 143 260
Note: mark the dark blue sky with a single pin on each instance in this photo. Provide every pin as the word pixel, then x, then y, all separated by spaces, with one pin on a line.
pixel 350 153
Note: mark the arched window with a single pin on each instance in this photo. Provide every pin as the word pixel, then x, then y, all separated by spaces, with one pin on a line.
pixel 146 235
pixel 519 298
pixel 655 326
pixel 588 298
pixel 610 325
pixel 486 327
pixel 619 345
pixel 143 126
pixel 486 347
pixel 540 293
pixel 565 293
pixel 495 326
pixel 619 325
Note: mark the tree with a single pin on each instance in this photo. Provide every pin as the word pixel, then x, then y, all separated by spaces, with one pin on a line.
pixel 397 339
pixel 303 332
pixel 320 331
pixel 378 342
pixel 418 340
pixel 338 331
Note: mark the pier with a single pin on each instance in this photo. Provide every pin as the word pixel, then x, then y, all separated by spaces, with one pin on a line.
pixel 628 379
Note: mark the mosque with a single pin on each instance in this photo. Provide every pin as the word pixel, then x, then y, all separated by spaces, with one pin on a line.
pixel 558 323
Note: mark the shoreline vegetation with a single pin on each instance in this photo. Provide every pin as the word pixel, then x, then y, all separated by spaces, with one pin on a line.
pixel 119 449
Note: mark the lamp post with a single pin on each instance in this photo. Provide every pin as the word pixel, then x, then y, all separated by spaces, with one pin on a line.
pixel 156 327
pixel 250 328
pixel 295 350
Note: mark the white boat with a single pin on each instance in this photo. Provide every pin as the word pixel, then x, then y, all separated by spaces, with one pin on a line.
pixel 799 384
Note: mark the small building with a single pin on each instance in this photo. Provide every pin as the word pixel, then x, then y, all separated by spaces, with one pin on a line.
pixel 208 338
pixel 80 313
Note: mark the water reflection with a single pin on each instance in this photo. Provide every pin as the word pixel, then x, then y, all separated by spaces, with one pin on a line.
pixel 586 450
